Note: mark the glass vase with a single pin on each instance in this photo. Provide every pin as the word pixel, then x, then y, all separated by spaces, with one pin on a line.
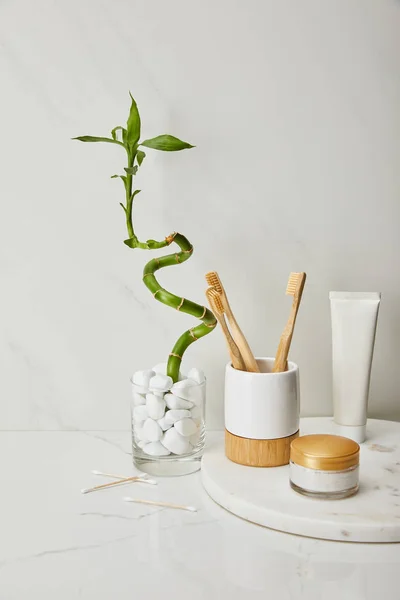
pixel 168 431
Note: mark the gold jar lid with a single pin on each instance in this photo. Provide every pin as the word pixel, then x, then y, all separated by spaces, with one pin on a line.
pixel 325 452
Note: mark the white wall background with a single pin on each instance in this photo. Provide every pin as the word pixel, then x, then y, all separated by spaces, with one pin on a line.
pixel 294 109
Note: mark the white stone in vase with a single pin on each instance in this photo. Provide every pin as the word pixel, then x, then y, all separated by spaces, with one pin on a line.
pixel 155 406
pixel 163 424
pixel 171 416
pixel 175 442
pixel 174 401
pixel 142 444
pixel 156 449
pixel 194 439
pixel 196 413
pixel 139 437
pixel 152 431
pixel 197 375
pixel 141 379
pixel 186 427
pixel 138 399
pixel 160 369
pixel 140 413
pixel 160 383
pixel 188 390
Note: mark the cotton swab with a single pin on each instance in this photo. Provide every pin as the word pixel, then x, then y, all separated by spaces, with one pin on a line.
pixel 113 483
pixel 165 504
pixel 143 475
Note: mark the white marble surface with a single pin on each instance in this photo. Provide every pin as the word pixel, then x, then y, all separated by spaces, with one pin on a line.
pixel 57 543
pixel 293 108
pixel 264 496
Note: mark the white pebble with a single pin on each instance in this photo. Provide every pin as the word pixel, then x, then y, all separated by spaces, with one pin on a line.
pixel 194 439
pixel 142 444
pixel 155 406
pixel 160 383
pixel 186 427
pixel 173 401
pixel 188 390
pixel 142 380
pixel 156 449
pixel 140 413
pixel 163 424
pixel 160 369
pixel 196 413
pixel 139 389
pixel 152 431
pixel 182 374
pixel 171 416
pixel 197 375
pixel 175 442
pixel 138 399
pixel 139 437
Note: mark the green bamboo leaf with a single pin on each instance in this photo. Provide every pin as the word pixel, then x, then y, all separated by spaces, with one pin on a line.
pixel 134 193
pixel 133 124
pixel 140 155
pixel 131 170
pixel 167 143
pixel 123 177
pixel 115 135
pixel 91 138
pixel 123 207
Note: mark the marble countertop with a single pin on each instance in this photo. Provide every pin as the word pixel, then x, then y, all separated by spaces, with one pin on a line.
pixel 57 543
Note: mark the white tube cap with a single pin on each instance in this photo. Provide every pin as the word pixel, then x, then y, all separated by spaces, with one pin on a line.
pixel 354 432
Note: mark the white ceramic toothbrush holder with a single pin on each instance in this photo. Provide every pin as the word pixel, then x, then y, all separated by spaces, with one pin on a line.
pixel 262 414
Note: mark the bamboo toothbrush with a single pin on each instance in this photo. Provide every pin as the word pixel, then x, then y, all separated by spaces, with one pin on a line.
pixel 294 288
pixel 217 307
pixel 251 365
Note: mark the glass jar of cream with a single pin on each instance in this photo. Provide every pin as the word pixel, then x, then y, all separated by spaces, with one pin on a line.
pixel 324 466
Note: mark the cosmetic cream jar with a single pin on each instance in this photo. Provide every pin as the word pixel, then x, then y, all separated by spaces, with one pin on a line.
pixel 324 466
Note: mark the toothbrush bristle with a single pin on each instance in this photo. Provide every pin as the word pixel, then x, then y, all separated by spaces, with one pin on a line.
pixel 293 282
pixel 213 280
pixel 215 300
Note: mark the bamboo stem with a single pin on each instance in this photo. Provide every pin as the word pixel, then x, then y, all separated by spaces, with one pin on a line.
pixel 129 198
pixel 182 304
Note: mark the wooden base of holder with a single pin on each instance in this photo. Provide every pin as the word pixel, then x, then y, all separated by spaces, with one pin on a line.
pixel 258 453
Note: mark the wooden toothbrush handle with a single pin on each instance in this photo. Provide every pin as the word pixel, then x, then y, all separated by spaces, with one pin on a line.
pixel 244 348
pixel 234 352
pixel 282 353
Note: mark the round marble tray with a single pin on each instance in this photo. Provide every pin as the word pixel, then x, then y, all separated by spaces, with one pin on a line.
pixel 264 496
